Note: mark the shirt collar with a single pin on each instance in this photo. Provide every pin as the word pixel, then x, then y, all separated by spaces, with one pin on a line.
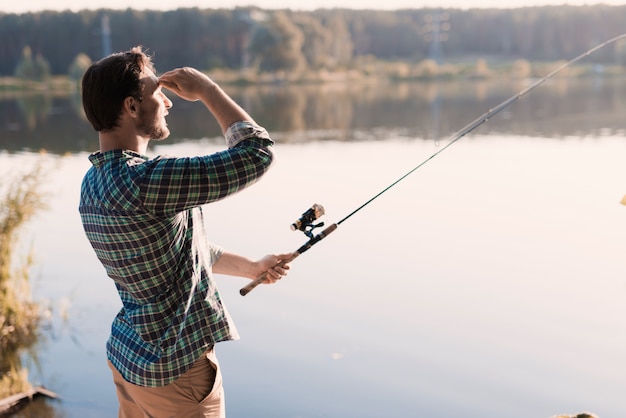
pixel 99 158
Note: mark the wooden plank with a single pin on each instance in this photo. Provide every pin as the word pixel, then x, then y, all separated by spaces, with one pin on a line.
pixel 11 403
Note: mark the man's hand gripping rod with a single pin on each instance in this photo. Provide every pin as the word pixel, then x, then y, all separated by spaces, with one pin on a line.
pixel 304 224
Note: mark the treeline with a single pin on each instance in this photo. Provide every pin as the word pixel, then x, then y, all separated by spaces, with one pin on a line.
pixel 285 40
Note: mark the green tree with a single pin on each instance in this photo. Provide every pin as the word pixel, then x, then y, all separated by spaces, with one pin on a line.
pixel 78 67
pixel 318 41
pixel 327 40
pixel 342 50
pixel 277 44
pixel 32 69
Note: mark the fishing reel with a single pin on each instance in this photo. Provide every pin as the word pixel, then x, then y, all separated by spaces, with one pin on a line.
pixel 305 223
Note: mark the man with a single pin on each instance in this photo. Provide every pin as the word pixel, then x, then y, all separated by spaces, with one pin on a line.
pixel 144 220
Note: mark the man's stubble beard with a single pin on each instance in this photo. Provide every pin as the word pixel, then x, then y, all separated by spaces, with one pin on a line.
pixel 154 129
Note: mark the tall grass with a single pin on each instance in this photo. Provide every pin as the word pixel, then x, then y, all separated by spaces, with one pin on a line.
pixel 20 316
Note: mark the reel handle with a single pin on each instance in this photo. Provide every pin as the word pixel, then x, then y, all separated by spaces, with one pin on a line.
pixel 254 283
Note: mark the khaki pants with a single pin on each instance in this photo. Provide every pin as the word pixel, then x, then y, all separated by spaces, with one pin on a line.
pixel 197 393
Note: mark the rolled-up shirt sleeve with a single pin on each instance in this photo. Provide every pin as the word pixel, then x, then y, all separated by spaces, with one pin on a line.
pixel 240 131
pixel 215 252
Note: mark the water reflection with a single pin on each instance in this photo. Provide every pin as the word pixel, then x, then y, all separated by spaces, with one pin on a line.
pixel 561 107
pixel 494 250
pixel 35 108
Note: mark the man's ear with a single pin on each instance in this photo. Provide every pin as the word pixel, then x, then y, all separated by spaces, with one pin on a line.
pixel 130 105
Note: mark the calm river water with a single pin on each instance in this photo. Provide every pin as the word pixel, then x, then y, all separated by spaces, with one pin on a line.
pixel 490 283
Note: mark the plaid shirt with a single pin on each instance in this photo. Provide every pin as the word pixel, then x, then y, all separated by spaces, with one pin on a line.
pixel 144 221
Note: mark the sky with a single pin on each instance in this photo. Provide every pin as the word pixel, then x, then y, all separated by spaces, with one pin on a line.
pixel 23 6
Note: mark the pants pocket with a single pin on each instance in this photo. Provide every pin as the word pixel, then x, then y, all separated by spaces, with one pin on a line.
pixel 199 381
pixel 213 404
pixel 217 374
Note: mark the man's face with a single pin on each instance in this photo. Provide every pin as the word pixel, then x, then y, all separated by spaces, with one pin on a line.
pixel 153 108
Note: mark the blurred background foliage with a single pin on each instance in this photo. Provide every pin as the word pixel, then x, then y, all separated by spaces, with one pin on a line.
pixel 47 44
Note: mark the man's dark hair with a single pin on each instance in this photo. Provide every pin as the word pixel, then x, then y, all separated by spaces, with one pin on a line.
pixel 108 82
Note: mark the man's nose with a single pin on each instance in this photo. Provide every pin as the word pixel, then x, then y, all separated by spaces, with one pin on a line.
pixel 167 102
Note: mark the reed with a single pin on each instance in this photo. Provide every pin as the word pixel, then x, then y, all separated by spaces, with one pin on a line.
pixel 14 381
pixel 19 315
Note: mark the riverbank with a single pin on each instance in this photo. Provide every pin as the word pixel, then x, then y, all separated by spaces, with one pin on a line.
pixel 368 70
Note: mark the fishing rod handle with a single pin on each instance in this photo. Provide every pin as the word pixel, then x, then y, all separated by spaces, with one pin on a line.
pixel 254 283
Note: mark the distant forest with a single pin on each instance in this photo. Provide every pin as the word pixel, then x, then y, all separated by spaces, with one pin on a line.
pixel 326 39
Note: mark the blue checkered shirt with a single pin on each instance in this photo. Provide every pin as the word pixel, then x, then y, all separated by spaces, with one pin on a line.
pixel 143 218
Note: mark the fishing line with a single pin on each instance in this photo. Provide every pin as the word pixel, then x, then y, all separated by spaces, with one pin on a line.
pixel 305 223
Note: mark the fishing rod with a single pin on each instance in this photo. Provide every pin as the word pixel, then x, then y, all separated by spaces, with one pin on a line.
pixel 305 222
